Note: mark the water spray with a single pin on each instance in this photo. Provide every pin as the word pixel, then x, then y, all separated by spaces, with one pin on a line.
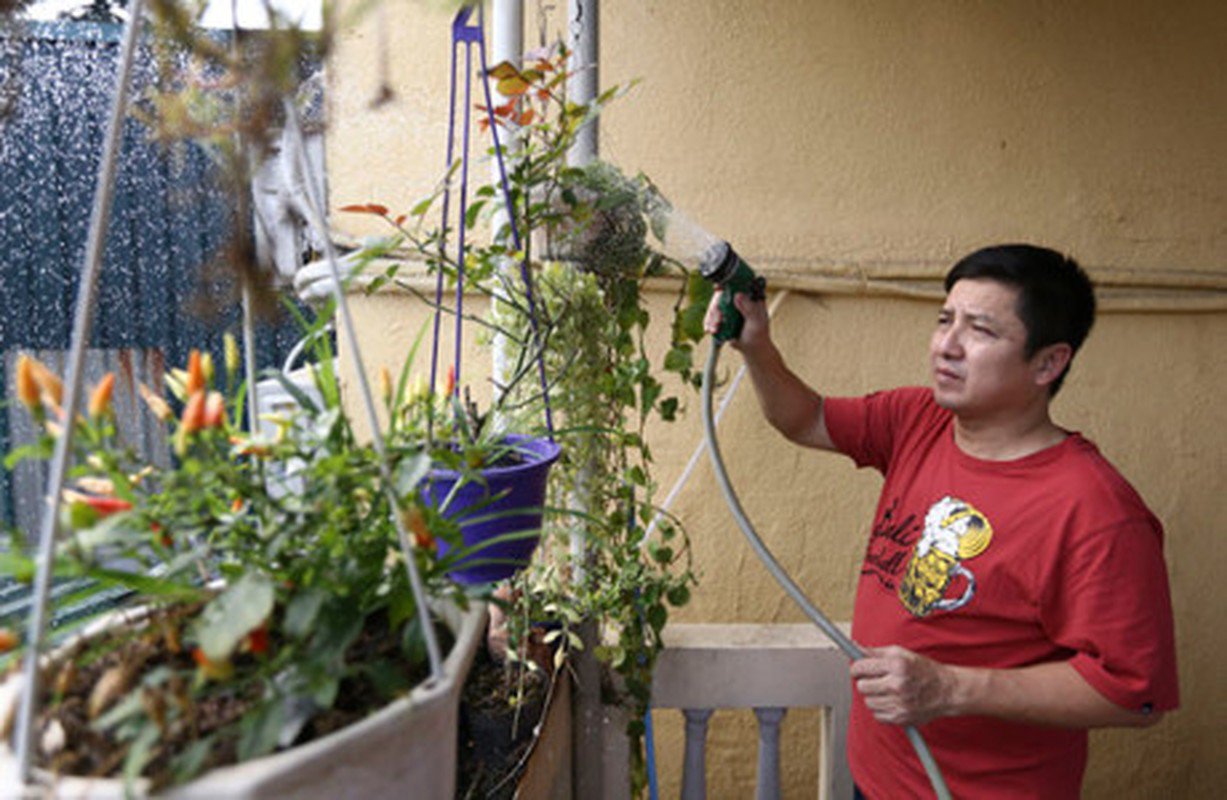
pixel 685 241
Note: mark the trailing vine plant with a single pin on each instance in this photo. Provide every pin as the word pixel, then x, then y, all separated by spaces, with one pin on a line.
pixel 586 250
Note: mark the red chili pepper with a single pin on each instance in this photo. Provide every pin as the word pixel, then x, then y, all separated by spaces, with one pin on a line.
pixel 257 640
pixel 105 506
pixel 163 537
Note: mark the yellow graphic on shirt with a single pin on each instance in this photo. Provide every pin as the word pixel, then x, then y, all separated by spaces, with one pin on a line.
pixel 954 532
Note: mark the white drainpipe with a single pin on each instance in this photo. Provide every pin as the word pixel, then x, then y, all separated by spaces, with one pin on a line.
pixel 506 44
pixel 583 34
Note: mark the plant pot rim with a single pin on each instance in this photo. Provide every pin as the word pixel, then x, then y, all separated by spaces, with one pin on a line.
pixel 469 626
pixel 538 451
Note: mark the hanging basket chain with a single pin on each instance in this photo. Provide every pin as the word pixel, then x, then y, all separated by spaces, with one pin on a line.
pixel 469 34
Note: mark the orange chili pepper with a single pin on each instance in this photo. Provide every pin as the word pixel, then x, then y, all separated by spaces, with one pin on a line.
pixel 159 407
pixel 193 413
pixel 27 386
pixel 449 385
pixel 50 387
pixel 415 521
pixel 213 670
pixel 195 373
pixel 214 415
pixel 100 400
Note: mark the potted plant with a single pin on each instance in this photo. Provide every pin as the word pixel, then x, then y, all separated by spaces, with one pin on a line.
pixel 276 629
pixel 487 480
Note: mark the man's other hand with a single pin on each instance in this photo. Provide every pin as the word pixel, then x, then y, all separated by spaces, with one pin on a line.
pixel 901 687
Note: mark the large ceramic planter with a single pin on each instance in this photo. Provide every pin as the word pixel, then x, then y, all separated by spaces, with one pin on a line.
pixel 505 506
pixel 405 749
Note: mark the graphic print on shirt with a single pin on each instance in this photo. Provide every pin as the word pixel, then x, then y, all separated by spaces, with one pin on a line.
pixel 936 579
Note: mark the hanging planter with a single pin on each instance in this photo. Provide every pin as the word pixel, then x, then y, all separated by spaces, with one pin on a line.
pixel 498 509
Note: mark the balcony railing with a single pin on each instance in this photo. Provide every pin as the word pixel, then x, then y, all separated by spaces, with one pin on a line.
pixel 767 668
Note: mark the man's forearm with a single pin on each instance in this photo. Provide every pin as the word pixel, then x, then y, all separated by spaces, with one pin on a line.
pixel 792 407
pixel 905 688
pixel 1044 694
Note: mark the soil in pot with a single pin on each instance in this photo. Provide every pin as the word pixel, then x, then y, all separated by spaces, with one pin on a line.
pixel 496 730
pixel 70 744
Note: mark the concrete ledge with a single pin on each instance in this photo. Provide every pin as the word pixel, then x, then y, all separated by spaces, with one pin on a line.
pixel 749 666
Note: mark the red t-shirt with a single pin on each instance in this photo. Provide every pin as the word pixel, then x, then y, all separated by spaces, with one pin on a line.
pixel 1051 557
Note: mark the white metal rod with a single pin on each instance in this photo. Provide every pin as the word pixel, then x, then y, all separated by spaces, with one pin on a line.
pixel 312 206
pixel 82 323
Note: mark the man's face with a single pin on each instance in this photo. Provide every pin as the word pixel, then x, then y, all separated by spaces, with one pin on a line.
pixel 977 351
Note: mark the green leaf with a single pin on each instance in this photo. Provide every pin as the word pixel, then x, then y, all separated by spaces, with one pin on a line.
pixel 422 207
pixel 335 630
pixel 259 730
pixel 678 359
pixel 187 764
pixel 657 616
pixel 233 614
pixel 470 216
pixel 139 754
pixel 401 604
pixel 302 611
pixel 637 476
pixel 678 596
pixel 389 679
pixel 410 472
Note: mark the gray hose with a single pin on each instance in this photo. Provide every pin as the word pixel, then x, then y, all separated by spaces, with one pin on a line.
pixel 850 648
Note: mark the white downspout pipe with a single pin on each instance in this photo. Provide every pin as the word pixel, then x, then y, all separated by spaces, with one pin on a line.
pixel 583 34
pixel 506 44
pixel 589 778
pixel 582 89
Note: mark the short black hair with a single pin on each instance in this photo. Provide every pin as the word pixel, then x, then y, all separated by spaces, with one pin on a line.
pixel 1056 301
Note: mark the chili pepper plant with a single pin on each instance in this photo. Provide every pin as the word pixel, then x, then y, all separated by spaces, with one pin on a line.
pixel 274 615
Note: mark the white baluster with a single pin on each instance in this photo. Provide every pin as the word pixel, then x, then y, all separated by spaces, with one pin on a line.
pixel 694 767
pixel 768 787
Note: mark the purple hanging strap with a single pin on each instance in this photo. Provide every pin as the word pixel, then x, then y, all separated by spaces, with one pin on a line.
pixel 467 34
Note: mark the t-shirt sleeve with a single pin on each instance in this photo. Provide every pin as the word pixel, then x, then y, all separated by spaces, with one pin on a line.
pixel 866 428
pixel 1110 603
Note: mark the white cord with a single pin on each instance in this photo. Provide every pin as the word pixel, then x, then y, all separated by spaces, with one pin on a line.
pixel 697 455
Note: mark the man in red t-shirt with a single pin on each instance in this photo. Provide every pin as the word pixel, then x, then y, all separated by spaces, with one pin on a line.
pixel 1013 592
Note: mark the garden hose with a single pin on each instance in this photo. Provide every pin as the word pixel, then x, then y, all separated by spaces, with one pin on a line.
pixel 849 647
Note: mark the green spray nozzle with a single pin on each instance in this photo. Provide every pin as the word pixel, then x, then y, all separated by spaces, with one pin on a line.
pixel 721 265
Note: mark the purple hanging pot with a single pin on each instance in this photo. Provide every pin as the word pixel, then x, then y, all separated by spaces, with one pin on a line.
pixel 508 503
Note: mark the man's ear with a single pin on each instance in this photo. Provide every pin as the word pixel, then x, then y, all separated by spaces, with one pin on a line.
pixel 1050 362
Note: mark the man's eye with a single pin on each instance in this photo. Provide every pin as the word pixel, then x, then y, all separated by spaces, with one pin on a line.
pixel 983 330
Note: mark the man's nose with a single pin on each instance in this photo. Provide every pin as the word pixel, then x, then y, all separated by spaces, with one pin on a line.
pixel 949 341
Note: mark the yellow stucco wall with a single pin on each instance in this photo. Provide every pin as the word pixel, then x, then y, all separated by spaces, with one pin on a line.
pixel 887 138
